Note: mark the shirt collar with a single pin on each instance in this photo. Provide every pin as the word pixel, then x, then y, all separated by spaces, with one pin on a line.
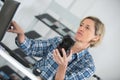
pixel 80 54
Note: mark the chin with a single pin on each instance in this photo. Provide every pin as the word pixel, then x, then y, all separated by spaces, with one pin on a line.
pixel 77 39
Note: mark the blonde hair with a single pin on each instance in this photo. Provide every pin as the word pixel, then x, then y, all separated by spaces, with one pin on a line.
pixel 99 29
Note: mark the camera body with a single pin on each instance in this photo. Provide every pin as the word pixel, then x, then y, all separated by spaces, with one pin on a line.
pixel 66 43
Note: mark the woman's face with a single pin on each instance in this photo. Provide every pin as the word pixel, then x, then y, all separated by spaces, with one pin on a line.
pixel 86 31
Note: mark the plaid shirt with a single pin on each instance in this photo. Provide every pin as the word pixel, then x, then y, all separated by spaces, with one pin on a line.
pixel 80 67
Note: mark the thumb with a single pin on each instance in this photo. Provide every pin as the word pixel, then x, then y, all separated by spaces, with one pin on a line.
pixel 11 30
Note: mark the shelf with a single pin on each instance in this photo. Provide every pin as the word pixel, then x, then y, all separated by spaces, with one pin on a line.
pixel 26 71
pixel 54 24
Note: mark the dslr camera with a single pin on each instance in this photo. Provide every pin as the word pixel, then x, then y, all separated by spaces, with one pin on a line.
pixel 66 43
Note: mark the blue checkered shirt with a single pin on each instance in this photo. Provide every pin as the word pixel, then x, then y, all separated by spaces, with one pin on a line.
pixel 80 67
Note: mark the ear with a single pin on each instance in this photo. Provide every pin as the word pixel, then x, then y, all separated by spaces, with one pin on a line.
pixel 96 38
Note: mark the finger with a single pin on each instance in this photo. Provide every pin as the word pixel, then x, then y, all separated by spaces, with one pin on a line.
pixel 55 57
pixel 13 31
pixel 10 30
pixel 15 25
pixel 58 54
pixel 54 54
pixel 64 53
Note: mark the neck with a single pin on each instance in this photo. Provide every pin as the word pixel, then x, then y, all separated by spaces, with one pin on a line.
pixel 79 46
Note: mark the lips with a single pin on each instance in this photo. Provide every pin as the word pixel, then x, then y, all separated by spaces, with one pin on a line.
pixel 79 33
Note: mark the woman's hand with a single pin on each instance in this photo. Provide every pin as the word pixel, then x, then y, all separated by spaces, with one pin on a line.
pixel 62 62
pixel 15 28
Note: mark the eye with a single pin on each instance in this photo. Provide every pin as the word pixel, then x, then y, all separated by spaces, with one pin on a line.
pixel 87 27
pixel 81 25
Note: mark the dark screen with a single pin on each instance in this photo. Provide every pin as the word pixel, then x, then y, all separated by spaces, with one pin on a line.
pixel 6 14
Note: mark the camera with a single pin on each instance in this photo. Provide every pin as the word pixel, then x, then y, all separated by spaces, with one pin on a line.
pixel 66 43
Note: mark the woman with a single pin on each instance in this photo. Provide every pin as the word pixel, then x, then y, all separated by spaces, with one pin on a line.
pixel 78 65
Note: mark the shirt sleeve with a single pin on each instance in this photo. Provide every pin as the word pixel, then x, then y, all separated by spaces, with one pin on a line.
pixel 38 48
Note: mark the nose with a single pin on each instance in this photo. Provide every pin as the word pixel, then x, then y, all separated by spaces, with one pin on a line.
pixel 81 28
